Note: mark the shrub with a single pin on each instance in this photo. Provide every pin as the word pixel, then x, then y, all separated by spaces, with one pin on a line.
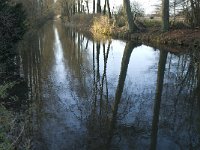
pixel 101 25
pixel 12 28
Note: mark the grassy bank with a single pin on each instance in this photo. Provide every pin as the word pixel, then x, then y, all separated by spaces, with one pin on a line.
pixel 149 33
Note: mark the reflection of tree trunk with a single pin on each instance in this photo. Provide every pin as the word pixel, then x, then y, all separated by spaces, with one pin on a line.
pixel 79 48
pixel 106 57
pixel 94 81
pixel 102 80
pixel 86 47
pixel 198 85
pixel 159 88
pixel 104 74
pixel 98 55
pixel 124 67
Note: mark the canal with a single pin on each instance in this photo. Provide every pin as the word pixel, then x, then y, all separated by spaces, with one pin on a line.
pixel 109 94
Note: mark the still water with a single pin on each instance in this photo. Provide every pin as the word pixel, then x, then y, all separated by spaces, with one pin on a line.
pixel 109 94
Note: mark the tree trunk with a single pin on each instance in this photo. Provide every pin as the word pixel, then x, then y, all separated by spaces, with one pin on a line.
pixel 104 9
pixel 108 6
pixel 87 6
pixel 131 25
pixel 79 6
pixel 94 5
pixel 165 15
pixel 98 6
pixel 195 9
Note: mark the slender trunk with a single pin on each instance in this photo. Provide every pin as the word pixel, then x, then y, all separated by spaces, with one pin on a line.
pixel 159 88
pixel 98 58
pixel 94 5
pixel 165 15
pixel 79 7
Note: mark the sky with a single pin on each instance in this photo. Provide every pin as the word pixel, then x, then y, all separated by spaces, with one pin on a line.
pixel 148 5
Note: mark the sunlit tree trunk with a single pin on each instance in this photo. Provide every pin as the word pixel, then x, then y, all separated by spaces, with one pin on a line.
pixel 127 8
pixel 165 15
pixel 158 95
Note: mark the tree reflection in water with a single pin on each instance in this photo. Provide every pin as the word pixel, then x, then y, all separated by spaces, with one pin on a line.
pixel 96 99
pixel 158 95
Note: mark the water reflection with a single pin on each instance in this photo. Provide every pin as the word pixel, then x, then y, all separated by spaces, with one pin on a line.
pixel 59 68
pixel 106 94
pixel 158 95
pixel 124 67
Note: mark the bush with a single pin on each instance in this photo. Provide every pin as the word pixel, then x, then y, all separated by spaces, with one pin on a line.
pixel 12 28
pixel 102 25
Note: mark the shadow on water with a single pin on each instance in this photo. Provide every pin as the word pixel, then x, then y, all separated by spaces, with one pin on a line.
pixel 104 94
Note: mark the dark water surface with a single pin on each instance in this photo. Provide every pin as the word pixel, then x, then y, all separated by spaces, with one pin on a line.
pixel 109 94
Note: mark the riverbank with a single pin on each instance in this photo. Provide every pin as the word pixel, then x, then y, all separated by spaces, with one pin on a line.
pixel 97 26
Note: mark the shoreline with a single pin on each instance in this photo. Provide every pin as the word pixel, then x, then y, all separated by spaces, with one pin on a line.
pixel 181 39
